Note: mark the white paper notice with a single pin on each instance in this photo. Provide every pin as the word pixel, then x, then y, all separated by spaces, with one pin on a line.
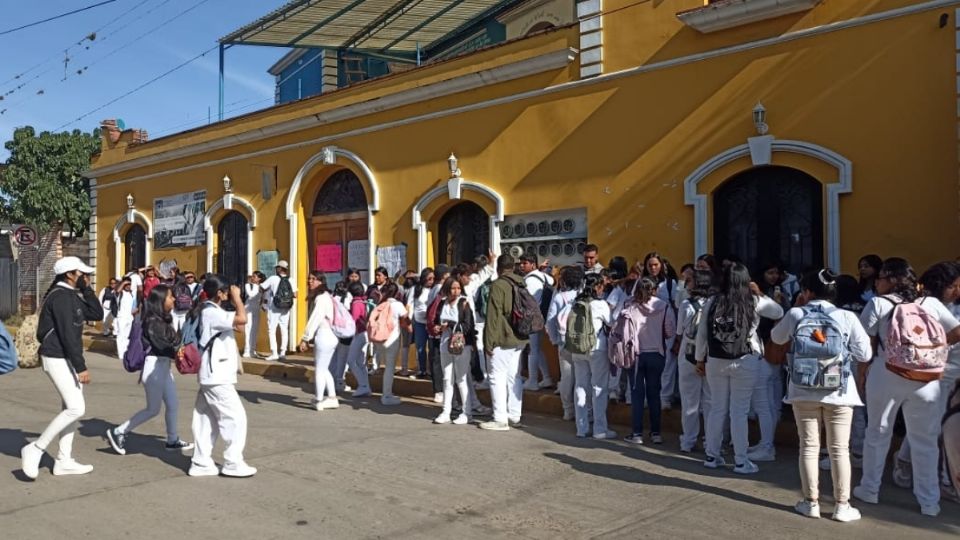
pixel 357 254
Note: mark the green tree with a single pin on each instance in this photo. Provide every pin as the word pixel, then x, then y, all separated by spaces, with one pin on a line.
pixel 41 183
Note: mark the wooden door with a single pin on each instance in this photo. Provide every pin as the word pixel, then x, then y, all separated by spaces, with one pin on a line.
pixel 340 230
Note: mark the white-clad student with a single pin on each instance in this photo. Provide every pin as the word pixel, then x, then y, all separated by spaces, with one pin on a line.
pixel 279 295
pixel 325 343
pixel 571 279
pixel 827 342
pixel 538 283
pixel 218 411
pixel 694 388
pixel 252 328
pixel 126 310
pixel 455 323
pixel 888 391
pixel 728 350
pixel 590 364
pixel 383 329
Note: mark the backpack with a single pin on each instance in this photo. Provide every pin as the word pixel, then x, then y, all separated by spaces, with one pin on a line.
pixel 182 298
pixel 727 339
pixel 915 343
pixel 622 347
pixel 8 351
pixel 380 325
pixel 482 298
pixel 690 332
pixel 581 337
pixel 283 298
pixel 546 295
pixel 137 350
pixel 820 360
pixel 342 324
pixel 432 311
pixel 525 316
pixel 192 358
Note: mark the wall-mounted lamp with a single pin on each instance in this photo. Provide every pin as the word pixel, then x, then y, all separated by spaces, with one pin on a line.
pixel 227 184
pixel 130 201
pixel 760 119
pixel 455 183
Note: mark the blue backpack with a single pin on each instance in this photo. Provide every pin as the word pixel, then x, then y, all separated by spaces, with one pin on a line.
pixel 820 358
pixel 137 350
pixel 8 352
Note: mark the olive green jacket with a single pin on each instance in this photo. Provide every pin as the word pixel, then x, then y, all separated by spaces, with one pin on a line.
pixel 497 331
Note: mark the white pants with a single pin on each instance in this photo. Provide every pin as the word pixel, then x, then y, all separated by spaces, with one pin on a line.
pixel 731 385
pixel 456 371
pixel 324 347
pixel 338 366
pixel 357 358
pixel 536 362
pixel 668 380
pixel 64 424
pixel 250 331
pixel 160 388
pixel 768 413
pixel 179 317
pixel 694 400
pixel 567 379
pixel 480 354
pixel 123 335
pixel 218 412
pixel 947 383
pixel 593 386
pixel 922 412
pixel 278 319
pixel 386 356
pixel 506 387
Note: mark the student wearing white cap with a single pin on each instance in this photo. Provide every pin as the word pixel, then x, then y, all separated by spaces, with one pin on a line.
pixel 68 303
pixel 278 296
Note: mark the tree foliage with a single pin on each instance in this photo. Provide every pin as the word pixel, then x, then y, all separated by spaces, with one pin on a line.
pixel 41 182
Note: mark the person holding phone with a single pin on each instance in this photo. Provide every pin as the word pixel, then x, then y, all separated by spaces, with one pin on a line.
pixel 69 302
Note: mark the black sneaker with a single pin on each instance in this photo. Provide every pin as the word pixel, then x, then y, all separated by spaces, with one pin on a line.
pixel 180 445
pixel 117 441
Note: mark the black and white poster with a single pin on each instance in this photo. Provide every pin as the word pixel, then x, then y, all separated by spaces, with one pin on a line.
pixel 178 220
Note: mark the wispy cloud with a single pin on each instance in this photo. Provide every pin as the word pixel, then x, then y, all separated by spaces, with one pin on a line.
pixel 209 64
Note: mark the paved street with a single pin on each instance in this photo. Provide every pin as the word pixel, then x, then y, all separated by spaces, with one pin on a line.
pixel 364 471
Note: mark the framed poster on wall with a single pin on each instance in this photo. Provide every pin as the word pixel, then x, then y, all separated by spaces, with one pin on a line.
pixel 178 220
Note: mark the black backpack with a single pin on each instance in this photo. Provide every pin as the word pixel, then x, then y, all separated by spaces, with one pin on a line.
pixel 525 318
pixel 546 296
pixel 727 340
pixel 283 299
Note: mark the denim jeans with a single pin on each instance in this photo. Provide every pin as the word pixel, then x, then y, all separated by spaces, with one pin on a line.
pixel 436 369
pixel 645 383
pixel 420 340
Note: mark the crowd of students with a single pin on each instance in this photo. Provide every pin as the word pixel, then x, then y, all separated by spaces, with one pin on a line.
pixel 713 340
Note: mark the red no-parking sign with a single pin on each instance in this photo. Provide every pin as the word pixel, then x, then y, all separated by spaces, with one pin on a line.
pixel 25 236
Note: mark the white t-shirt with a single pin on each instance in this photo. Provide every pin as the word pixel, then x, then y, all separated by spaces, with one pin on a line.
pixel 253 296
pixel 953 361
pixel 136 287
pixel 320 316
pixel 536 281
pixel 270 286
pixel 765 307
pixel 858 343
pixel 876 316
pixel 601 318
pixel 125 305
pixel 221 362
pixel 418 304
pixel 559 301
pixel 397 310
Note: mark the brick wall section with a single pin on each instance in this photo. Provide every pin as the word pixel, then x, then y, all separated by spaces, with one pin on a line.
pixel 50 249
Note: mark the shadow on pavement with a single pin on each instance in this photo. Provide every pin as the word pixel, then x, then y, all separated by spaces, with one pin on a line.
pixel 136 444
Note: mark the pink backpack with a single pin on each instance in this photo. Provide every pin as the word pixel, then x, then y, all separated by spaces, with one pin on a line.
pixel 380 325
pixel 342 324
pixel 915 344
pixel 622 346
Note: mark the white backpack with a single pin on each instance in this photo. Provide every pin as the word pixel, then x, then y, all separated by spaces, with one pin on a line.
pixel 342 324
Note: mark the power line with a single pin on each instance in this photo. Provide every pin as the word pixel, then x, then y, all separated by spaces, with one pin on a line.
pixel 55 17
pixel 142 86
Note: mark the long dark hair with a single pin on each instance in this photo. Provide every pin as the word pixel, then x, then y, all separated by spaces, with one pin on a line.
pixel 734 300
pixel 703 284
pixel 939 277
pixel 314 293
pixel 57 279
pixel 875 262
pixel 422 282
pixel 644 290
pixel 212 284
pixel 389 291
pixel 156 317
pixel 901 275
pixel 822 283
pixel 589 291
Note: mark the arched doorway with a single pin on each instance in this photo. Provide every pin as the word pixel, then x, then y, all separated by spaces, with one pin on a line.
pixel 339 227
pixel 232 248
pixel 464 233
pixel 770 214
pixel 135 247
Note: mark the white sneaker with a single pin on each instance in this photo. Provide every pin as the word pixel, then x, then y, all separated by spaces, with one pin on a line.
pixel 932 510
pixel 30 456
pixel 318 405
pixel 605 435
pixel 495 426
pixel 546 383
pixel 714 462
pixel 438 397
pixel 196 470
pixel 462 420
pixel 390 400
pixel 272 358
pixel 845 512
pixel 747 467
pixel 346 388
pixel 64 467
pixel 241 470
pixel 861 493
pixel 442 419
pixel 361 392
pixel 810 509
pixel 330 403
pixel 762 454
pixel 531 385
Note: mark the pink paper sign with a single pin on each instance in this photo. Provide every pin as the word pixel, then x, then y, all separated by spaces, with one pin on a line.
pixel 329 258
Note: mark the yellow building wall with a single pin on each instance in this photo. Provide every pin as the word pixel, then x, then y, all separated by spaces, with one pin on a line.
pixel 621 147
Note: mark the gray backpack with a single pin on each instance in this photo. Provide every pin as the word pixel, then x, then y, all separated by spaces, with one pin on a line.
pixel 820 359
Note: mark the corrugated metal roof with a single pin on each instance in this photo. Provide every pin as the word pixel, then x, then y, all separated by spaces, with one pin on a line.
pixel 375 25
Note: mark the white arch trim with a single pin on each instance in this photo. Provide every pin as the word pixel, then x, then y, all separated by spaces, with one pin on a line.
pixel 844 184
pixel 453 192
pixel 226 203
pixel 328 155
pixel 130 216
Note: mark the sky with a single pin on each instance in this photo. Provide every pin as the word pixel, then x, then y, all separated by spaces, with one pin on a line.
pixel 131 47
